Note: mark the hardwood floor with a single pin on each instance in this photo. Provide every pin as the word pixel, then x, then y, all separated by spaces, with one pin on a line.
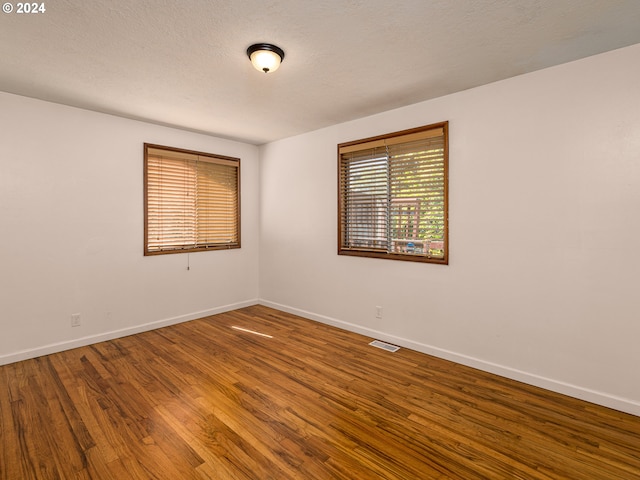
pixel 202 400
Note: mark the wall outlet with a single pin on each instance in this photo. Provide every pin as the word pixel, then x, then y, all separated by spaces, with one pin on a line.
pixel 75 319
pixel 378 312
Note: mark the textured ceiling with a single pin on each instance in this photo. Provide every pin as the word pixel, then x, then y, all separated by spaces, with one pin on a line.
pixel 183 63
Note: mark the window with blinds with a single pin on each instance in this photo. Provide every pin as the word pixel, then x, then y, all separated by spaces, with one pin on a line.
pixel 393 196
pixel 191 201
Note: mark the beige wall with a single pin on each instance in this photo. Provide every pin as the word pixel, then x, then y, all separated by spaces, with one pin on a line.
pixel 72 232
pixel 542 284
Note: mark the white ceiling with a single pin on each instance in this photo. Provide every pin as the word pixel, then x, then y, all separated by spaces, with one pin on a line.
pixel 183 63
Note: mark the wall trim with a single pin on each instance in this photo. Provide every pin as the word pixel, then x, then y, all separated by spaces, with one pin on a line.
pixel 575 391
pixel 593 396
pixel 124 332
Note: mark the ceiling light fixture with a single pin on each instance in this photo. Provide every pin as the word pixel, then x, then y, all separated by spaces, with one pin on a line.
pixel 265 57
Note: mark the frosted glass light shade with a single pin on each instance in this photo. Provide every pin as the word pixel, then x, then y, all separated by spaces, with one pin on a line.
pixel 265 61
pixel 265 57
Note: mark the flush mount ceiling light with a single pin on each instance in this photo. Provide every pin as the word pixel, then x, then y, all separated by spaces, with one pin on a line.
pixel 265 57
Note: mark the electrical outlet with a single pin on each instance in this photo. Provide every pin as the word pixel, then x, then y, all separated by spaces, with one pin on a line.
pixel 75 319
pixel 378 312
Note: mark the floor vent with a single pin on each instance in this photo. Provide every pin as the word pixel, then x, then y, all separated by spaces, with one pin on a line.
pixel 385 346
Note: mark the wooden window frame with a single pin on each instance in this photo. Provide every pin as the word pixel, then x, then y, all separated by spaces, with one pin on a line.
pixel 395 138
pixel 152 249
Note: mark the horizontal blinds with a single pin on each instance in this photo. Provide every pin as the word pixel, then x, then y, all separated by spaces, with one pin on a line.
pixel 394 140
pixel 364 179
pixel 171 222
pixel 192 201
pixel 216 204
pixel 393 194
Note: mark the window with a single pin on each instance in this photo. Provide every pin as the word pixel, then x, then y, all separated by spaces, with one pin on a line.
pixel 393 196
pixel 191 201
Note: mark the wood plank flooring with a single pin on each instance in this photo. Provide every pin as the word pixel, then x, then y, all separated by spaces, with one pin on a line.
pixel 202 400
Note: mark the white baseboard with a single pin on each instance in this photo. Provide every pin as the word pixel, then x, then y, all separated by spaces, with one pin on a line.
pixel 593 396
pixel 91 339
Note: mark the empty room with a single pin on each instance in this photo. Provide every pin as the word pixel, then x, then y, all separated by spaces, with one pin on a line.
pixel 320 240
